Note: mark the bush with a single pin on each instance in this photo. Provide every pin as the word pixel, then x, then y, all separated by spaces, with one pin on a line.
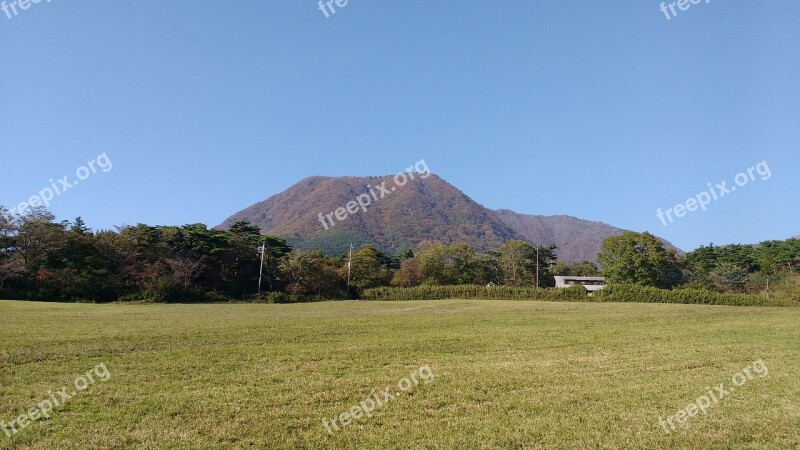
pixel 641 294
pixel 284 298
pixel 175 296
pixel 612 293
pixel 788 287
pixel 7 294
pixel 575 293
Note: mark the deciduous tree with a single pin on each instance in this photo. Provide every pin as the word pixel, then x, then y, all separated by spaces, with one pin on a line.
pixel 639 258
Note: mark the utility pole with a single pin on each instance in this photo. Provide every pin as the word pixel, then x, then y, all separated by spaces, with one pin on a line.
pixel 263 251
pixel 269 278
pixel 537 266
pixel 349 268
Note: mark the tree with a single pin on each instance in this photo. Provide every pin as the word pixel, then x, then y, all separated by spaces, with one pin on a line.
pixel 518 263
pixel 560 270
pixel 547 258
pixel 39 239
pixel 310 273
pixel 449 265
pixel 703 260
pixel 184 270
pixel 11 267
pixel 406 254
pixel 408 275
pixel 79 227
pixel 582 269
pixel 87 272
pixel 639 258
pixel 490 271
pixel 241 261
pixel 8 229
pixel 778 255
pixel 586 269
pixel 743 256
pixel 11 264
pixel 368 268
pixel 462 264
pixel 276 250
pixel 431 259
pixel 729 277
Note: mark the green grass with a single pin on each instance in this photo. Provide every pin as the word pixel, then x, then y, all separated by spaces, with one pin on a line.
pixel 507 374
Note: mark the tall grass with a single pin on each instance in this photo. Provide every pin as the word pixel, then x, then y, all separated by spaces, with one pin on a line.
pixel 642 294
pixel 612 293
pixel 468 292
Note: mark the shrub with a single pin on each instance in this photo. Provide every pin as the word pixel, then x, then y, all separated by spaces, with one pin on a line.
pixel 283 298
pixel 642 294
pixel 575 293
pixel 612 293
pixel 175 296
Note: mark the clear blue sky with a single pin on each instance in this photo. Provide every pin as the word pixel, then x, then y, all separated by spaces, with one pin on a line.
pixel 601 110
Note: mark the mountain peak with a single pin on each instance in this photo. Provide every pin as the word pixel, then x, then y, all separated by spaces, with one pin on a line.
pixel 396 213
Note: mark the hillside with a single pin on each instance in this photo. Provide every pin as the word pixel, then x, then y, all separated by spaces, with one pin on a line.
pixel 577 240
pixel 429 208
pixel 423 209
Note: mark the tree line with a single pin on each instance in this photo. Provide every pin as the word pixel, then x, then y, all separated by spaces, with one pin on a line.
pixel 768 268
pixel 44 259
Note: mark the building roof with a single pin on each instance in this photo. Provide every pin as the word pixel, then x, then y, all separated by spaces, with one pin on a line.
pixel 570 277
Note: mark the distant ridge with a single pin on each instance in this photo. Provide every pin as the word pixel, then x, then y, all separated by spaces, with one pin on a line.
pixel 423 209
pixel 577 239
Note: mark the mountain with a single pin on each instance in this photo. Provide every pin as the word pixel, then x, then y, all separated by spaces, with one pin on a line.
pixel 398 217
pixel 577 240
pixel 421 209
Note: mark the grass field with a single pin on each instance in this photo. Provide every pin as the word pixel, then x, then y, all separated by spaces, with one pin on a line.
pixel 507 374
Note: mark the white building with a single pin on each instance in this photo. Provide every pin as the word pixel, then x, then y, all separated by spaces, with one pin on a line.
pixel 590 283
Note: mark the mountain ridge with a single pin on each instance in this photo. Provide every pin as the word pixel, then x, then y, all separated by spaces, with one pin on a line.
pixel 400 216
